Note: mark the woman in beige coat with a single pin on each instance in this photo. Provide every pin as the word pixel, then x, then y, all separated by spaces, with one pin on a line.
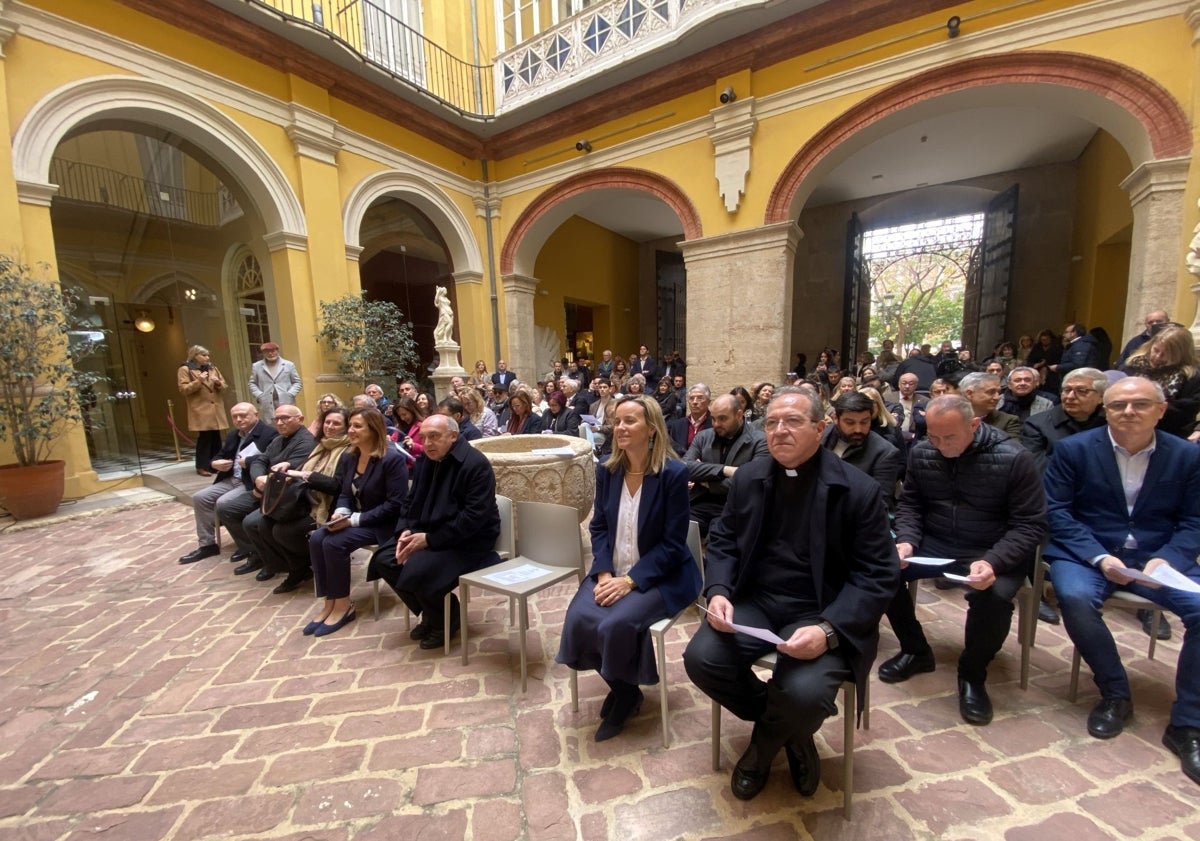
pixel 201 385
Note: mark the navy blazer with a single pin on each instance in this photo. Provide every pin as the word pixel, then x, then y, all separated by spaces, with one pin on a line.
pixel 260 435
pixel 663 514
pixel 381 491
pixel 677 428
pixel 1087 510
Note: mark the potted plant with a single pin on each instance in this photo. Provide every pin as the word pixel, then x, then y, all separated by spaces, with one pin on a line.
pixel 372 339
pixel 41 390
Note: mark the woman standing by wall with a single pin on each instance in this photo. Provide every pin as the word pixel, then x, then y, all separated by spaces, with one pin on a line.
pixel 201 385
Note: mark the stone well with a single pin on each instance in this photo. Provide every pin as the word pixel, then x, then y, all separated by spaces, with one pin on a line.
pixel 523 476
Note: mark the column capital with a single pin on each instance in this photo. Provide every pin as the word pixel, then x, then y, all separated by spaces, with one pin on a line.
pixel 519 283
pixel 31 192
pixel 279 240
pixel 765 238
pixel 467 277
pixel 353 252
pixel 1191 14
pixel 485 208
pixel 312 134
pixel 1166 174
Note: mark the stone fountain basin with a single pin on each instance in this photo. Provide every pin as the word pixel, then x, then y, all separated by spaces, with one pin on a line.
pixel 523 476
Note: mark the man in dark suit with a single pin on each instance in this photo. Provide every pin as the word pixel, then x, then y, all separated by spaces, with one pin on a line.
pixel 231 478
pixel 801 548
pixel 921 367
pixel 1122 500
pixel 448 527
pixel 646 366
pixel 503 376
pixel 683 431
pixel 913 404
pixel 1155 320
pixel 715 456
pixel 1079 351
pixel 293 445
pixel 850 439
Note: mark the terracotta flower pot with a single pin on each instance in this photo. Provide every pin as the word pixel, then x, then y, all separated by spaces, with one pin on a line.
pixel 36 491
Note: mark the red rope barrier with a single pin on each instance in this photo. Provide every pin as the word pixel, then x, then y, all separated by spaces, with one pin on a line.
pixel 181 433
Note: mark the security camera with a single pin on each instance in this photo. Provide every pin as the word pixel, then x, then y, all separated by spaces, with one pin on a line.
pixel 583 146
pixel 953 25
pixel 728 96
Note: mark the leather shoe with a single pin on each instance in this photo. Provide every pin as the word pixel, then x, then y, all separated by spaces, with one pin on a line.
pixel 747 780
pixel 1164 627
pixel 903 666
pixel 1109 717
pixel 239 555
pixel 974 705
pixel 200 554
pixel 264 574
pixel 1047 614
pixel 292 582
pixel 606 707
pixel 252 565
pixel 420 631
pixel 804 766
pixel 436 638
pixel 624 707
pixel 1184 742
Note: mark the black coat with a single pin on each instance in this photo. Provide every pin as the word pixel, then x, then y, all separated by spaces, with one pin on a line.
pixel 454 502
pixel 1081 353
pixel 565 422
pixel 876 457
pixel 260 435
pixel 1042 431
pixel 677 428
pixel 855 568
pixel 294 450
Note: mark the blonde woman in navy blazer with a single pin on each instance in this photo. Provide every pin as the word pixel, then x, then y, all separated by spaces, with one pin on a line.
pixel 606 626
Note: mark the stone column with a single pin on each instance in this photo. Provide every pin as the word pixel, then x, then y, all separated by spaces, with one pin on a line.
pixel 518 321
pixel 740 305
pixel 1156 249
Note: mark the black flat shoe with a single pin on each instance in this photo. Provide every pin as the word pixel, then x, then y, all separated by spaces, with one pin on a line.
pixel 347 617
pixel 238 556
pixel 252 565
pixel 903 666
pixel 288 585
pixel 200 554
pixel 264 574
pixel 804 765
pixel 1164 627
pixel 606 707
pixel 974 705
pixel 1109 717
pixel 1184 742
pixel 624 707
pixel 747 780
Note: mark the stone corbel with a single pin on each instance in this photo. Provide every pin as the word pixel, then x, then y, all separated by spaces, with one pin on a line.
pixel 7 28
pixel 485 208
pixel 280 240
pixel 733 127
pixel 312 134
pixel 1191 14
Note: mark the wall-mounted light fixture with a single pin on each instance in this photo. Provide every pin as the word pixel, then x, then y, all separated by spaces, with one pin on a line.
pixel 952 26
pixel 583 146
pixel 728 95
pixel 143 323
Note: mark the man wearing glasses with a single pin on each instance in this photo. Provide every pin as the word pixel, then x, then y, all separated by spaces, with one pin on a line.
pixel 802 548
pixel 1124 499
pixel 287 451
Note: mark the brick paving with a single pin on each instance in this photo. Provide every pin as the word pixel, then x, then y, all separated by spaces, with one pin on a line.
pixel 146 700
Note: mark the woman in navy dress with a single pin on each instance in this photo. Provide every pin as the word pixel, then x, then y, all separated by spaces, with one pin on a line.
pixel 643 570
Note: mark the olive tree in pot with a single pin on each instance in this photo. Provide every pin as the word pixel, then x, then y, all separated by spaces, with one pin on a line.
pixel 372 339
pixel 41 389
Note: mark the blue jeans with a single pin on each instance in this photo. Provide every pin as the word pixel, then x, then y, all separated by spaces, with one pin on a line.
pixel 1082 589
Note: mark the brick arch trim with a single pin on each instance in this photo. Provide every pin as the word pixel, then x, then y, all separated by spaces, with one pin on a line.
pixel 1160 114
pixel 638 180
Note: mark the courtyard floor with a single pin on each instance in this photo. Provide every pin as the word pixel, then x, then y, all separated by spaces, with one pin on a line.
pixel 146 700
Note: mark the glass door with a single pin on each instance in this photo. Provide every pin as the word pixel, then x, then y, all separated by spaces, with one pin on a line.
pixel 109 415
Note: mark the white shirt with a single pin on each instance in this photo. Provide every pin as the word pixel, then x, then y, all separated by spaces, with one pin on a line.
pixel 1132 467
pixel 625 538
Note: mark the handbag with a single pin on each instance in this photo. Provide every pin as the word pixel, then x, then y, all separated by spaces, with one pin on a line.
pixel 285 498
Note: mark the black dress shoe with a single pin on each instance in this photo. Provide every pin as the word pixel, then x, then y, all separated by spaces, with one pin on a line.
pixel 238 556
pixel 264 574
pixel 420 631
pixel 903 666
pixel 974 705
pixel 292 582
pixel 1047 614
pixel 200 554
pixel 748 780
pixel 1164 627
pixel 804 766
pixel 1184 742
pixel 1109 717
pixel 252 565
pixel 624 706
pixel 606 707
pixel 436 638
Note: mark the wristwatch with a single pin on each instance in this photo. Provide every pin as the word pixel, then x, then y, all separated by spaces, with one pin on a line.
pixel 831 637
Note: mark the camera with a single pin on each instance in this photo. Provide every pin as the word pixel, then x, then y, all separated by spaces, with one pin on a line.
pixel 728 95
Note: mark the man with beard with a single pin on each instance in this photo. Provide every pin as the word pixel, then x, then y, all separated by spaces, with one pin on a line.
pixel 851 440
pixel 715 455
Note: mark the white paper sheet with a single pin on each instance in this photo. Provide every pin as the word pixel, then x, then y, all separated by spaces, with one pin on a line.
pixel 249 451
pixel 764 634
pixel 965 579
pixel 930 562
pixel 553 451
pixel 517 575
pixel 1165 576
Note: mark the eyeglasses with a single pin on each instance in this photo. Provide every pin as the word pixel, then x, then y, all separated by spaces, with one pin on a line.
pixel 1077 390
pixel 285 418
pixel 1138 406
pixel 790 423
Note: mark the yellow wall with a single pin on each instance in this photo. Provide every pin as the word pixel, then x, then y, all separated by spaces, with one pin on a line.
pixel 1100 241
pixel 586 264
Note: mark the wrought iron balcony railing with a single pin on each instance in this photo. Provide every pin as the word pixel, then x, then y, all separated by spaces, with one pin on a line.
pixel 98 185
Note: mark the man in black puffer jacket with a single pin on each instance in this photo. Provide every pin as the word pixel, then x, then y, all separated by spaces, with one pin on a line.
pixel 973 495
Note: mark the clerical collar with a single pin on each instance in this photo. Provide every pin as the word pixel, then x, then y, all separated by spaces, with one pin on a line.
pixel 787 471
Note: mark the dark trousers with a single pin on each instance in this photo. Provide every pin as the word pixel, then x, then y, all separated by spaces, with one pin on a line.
pixel 330 557
pixel 426 577
pixel 208 444
pixel 232 510
pixel 989 617
pixel 282 546
pixel 790 706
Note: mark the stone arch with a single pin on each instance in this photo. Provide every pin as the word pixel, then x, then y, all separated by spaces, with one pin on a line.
pixel 1142 115
pixel 426 197
pixel 540 219
pixel 103 99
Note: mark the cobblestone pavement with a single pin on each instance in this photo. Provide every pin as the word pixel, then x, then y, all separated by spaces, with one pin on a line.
pixel 146 700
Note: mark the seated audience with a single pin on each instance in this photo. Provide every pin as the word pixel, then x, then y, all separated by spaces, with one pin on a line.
pixel 374 484
pixel 668 400
pixel 559 417
pixel 849 438
pixel 715 455
pixel 325 402
pixel 408 417
pixel 643 570
pixel 1102 530
pixel 685 429
pixel 453 407
pixel 801 548
pixel 983 393
pixel 1169 359
pixel 521 419
pixel 1020 396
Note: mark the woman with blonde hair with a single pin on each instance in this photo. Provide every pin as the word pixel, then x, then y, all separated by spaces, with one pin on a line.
pixel 1169 359
pixel 480 379
pixel 483 417
pixel 201 385
pixel 325 402
pixel 883 422
pixel 643 570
